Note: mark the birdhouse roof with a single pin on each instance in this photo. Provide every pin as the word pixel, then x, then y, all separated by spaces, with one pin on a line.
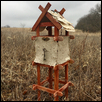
pixel 52 18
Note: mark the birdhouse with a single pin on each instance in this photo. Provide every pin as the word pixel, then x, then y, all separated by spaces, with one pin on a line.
pixel 52 49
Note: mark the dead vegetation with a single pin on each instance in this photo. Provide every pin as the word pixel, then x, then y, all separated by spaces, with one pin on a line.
pixel 18 75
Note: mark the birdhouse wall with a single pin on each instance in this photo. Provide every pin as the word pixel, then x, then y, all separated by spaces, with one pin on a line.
pixel 50 52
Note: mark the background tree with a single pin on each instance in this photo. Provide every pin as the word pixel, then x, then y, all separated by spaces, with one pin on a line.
pixel 92 21
pixel 7 26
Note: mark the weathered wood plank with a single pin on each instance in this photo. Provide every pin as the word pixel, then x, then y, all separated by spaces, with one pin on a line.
pixel 51 18
pixel 41 16
pixel 46 24
pixel 62 11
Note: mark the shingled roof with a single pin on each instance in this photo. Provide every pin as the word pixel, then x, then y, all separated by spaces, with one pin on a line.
pixel 52 18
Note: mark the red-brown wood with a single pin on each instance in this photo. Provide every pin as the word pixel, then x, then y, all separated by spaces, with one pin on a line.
pixel 66 73
pixel 62 11
pixel 71 61
pixel 66 80
pixel 33 37
pixel 71 36
pixel 50 78
pixel 66 33
pixel 56 10
pixel 48 90
pixel 56 82
pixel 64 87
pixel 51 18
pixel 58 38
pixel 61 65
pixel 56 33
pixel 46 24
pixel 44 65
pixel 34 87
pixel 44 81
pixel 56 92
pixel 60 81
pixel 37 31
pixel 41 16
pixel 56 24
pixel 38 79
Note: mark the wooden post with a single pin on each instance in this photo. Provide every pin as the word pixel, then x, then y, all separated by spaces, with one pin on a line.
pixel 66 33
pixel 41 16
pixel 50 79
pixel 56 33
pixel 66 80
pixel 50 69
pixel 38 78
pixel 56 81
pixel 37 31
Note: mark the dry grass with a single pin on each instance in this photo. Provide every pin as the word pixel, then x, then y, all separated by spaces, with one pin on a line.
pixel 18 75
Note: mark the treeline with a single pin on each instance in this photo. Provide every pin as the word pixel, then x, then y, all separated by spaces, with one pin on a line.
pixel 92 21
pixel 6 26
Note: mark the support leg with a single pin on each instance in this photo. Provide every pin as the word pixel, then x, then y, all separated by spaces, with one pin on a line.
pixel 50 79
pixel 56 81
pixel 38 78
pixel 66 80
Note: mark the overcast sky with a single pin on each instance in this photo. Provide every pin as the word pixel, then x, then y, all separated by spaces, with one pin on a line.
pixel 16 13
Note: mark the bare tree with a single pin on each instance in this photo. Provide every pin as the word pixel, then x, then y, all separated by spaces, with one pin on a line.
pixel 92 21
pixel 22 25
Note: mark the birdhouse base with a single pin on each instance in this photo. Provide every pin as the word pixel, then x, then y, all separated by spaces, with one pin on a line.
pixel 56 91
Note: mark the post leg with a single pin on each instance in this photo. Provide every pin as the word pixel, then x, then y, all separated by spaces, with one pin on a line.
pixel 66 80
pixel 56 81
pixel 50 79
pixel 38 79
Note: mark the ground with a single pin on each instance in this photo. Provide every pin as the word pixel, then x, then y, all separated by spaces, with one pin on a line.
pixel 18 75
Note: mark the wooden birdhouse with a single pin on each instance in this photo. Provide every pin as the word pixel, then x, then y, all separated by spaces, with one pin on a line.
pixel 52 51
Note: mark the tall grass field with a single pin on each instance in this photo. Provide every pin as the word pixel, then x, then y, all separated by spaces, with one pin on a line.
pixel 18 75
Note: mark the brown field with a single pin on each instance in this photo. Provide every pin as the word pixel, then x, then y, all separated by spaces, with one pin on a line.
pixel 18 75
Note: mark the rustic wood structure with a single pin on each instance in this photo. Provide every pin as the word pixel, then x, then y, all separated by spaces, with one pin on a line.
pixel 48 23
